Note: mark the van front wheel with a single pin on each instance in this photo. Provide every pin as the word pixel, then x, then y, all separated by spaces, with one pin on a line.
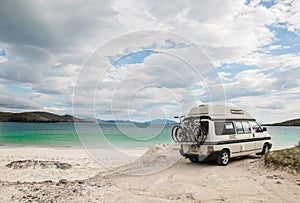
pixel 265 149
pixel 223 158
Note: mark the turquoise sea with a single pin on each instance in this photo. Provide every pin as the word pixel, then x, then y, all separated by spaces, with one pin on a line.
pixel 126 135
pixel 67 134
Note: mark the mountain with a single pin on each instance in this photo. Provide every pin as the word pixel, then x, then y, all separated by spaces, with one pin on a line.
pixel 46 117
pixel 115 121
pixel 38 116
pixel 293 122
pixel 156 121
pixel 161 121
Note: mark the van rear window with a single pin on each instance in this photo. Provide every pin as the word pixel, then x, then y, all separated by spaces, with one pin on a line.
pixel 224 128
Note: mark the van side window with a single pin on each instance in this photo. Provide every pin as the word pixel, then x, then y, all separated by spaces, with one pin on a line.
pixel 224 128
pixel 239 127
pixel 246 126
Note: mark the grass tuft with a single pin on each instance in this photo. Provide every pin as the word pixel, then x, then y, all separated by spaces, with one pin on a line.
pixel 285 158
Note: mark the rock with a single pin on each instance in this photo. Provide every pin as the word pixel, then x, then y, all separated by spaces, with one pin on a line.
pixel 62 181
pixel 22 164
pixel 278 177
pixel 79 181
pixel 63 166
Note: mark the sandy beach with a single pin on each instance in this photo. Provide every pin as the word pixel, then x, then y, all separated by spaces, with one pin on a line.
pixel 71 175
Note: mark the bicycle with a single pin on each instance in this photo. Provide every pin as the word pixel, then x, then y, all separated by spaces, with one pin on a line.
pixel 188 130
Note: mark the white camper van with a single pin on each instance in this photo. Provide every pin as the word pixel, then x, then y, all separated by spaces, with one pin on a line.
pixel 219 132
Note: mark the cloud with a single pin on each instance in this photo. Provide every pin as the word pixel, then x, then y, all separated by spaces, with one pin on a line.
pixel 16 103
pixel 46 43
pixel 169 71
pixel 53 25
pixel 272 107
pixel 24 63
pixel 293 16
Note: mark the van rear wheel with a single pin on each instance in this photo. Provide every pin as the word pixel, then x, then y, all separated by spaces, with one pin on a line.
pixel 223 158
pixel 194 159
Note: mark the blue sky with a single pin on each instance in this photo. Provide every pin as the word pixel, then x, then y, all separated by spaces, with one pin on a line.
pixel 131 58
pixel 49 48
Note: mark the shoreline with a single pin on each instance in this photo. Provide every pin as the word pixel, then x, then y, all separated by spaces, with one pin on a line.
pixel 274 147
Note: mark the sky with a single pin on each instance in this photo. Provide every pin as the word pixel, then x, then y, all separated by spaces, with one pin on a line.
pixel 141 60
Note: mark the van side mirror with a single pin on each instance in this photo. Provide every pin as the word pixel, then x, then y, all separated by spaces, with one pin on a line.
pixel 264 129
pixel 176 116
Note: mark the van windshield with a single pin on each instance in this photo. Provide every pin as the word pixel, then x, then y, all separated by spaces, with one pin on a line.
pixel 256 127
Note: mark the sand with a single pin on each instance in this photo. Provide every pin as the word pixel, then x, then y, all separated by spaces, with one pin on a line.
pixel 87 180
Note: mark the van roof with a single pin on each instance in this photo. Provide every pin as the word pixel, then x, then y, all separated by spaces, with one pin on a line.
pixel 216 112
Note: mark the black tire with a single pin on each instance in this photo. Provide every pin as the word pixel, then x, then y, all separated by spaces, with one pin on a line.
pixel 194 159
pixel 177 134
pixel 174 132
pixel 265 149
pixel 223 158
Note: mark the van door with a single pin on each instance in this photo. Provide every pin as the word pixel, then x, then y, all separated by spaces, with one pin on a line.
pixel 257 132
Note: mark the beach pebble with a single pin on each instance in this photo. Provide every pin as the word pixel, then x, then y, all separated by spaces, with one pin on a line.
pixel 62 181
pixel 63 166
pixel 278 177
pixel 79 181
pixel 47 181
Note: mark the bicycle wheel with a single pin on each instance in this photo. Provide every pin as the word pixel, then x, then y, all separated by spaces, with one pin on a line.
pixel 177 134
pixel 201 135
pixel 174 131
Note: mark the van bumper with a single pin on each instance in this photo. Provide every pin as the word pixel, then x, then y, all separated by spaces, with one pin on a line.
pixel 212 156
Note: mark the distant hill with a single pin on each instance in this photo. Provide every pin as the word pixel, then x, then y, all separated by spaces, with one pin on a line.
pixel 114 121
pixel 156 121
pixel 46 117
pixel 161 121
pixel 293 122
pixel 37 116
